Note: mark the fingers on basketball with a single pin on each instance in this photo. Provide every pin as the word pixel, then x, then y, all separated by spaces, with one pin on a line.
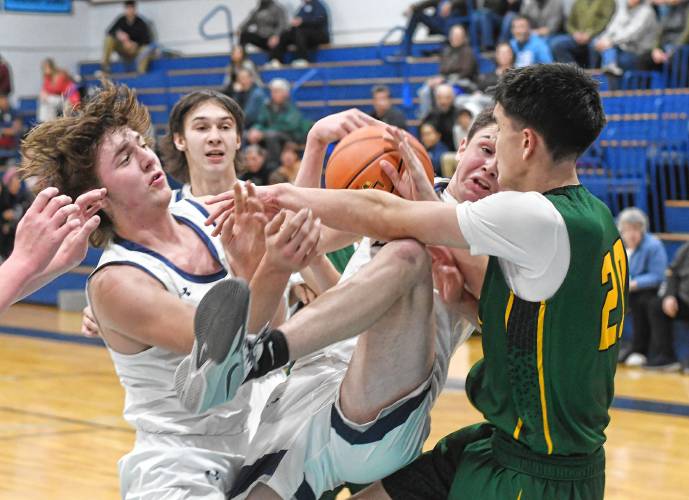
pixel 356 161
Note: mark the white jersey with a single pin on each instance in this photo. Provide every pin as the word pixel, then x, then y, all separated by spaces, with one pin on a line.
pixel 151 403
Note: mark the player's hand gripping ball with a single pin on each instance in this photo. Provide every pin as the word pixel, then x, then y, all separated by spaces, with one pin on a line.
pixel 355 161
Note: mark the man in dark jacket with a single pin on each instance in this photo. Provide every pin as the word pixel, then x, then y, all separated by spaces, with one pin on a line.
pixel 383 109
pixel 446 13
pixel 309 30
pixel 444 115
pixel 130 37
pixel 263 27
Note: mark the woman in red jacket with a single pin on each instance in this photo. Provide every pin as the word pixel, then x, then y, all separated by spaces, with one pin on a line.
pixel 59 93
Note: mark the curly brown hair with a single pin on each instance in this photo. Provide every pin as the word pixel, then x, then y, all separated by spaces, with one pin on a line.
pixel 62 153
pixel 174 160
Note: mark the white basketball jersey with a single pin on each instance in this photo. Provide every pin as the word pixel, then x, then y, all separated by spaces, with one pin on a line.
pixel 151 403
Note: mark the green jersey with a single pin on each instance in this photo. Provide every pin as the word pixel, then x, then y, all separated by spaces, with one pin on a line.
pixel 547 374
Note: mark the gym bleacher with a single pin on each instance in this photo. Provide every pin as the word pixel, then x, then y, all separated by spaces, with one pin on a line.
pixel 641 158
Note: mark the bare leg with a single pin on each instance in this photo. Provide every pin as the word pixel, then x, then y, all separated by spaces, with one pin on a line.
pixel 263 492
pixel 357 304
pixel 395 355
pixel 373 492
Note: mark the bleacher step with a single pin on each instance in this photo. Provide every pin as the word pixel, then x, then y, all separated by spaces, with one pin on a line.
pixel 677 216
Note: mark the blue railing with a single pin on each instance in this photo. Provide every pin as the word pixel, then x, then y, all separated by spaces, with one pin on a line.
pixel 218 36
pixel 309 76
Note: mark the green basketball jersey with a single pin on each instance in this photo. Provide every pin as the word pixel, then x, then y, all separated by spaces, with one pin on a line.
pixel 547 374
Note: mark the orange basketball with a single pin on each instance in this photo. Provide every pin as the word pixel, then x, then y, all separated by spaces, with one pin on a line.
pixel 355 161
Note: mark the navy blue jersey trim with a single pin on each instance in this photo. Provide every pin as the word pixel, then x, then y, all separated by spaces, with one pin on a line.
pixel 249 474
pixel 178 195
pixel 196 278
pixel 198 207
pixel 128 263
pixel 304 492
pixel 381 427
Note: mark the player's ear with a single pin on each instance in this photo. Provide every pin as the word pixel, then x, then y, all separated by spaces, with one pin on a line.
pixel 529 141
pixel 180 142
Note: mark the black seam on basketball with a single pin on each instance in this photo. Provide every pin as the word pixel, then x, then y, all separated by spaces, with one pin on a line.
pixel 370 162
pixel 366 138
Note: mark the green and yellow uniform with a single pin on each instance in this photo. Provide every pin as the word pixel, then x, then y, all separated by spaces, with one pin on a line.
pixel 545 383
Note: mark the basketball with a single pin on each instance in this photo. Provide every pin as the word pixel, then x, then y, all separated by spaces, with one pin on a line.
pixel 355 161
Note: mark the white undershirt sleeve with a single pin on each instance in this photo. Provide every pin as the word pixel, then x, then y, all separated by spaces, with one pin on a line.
pixel 527 234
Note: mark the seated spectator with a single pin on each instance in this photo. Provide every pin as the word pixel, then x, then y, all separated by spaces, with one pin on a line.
pixel 673 33
pixel 255 165
pixel 383 109
pixel 10 129
pixel 662 311
pixel 129 36
pixel 446 13
pixel 57 93
pixel 263 27
pixel 309 30
pixel 444 114
pixel 647 263
pixel 586 20
pixel 465 117
pixel 504 60
pixel 5 78
pixel 430 138
pixel 528 47
pixel 491 16
pixel 673 305
pixel 248 95
pixel 458 67
pixel 289 165
pixel 238 60
pixel 546 17
pixel 15 199
pixel 279 121
pixel 631 33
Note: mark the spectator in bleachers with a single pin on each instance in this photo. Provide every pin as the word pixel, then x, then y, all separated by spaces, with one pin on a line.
pixel 290 162
pixel 129 36
pixel 673 33
pixel 58 93
pixel 458 67
pixel 238 60
pixel 504 60
pixel 545 16
pixel 248 95
pixel 383 109
pixel 255 165
pixel 586 20
pixel 309 29
pixel 672 304
pixel 446 13
pixel 430 137
pixel 10 129
pixel 647 263
pixel 263 27
pixel 15 199
pixel 443 114
pixel 488 16
pixel 631 33
pixel 465 117
pixel 529 48
pixel 5 78
pixel 279 121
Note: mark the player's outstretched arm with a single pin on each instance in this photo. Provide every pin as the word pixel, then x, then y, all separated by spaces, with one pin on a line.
pixel 50 222
pixel 373 213
pixel 327 130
